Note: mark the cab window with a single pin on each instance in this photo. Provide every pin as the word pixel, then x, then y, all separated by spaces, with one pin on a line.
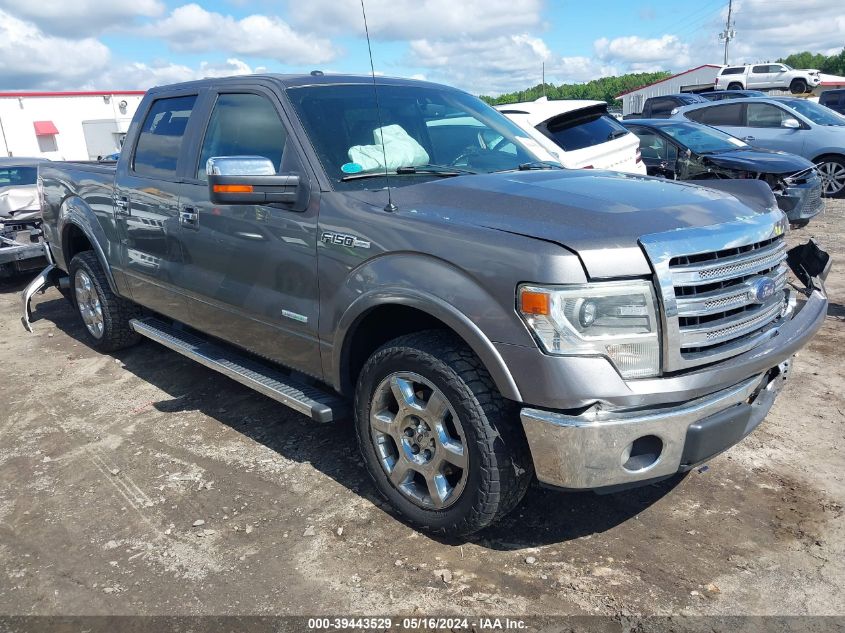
pixel 243 125
pixel 160 140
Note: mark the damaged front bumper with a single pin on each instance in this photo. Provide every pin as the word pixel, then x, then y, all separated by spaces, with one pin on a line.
pixel 803 201
pixel 607 448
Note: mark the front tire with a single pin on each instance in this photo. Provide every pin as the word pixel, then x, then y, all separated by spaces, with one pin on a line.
pixel 832 172
pixel 440 442
pixel 105 315
pixel 798 87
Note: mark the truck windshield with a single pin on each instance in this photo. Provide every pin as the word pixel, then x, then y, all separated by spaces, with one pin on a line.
pixel 702 139
pixel 426 131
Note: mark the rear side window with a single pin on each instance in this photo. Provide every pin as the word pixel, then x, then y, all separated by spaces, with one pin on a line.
pixel 736 70
pixel 160 140
pixel 722 114
pixel 243 125
pixel 579 130
pixel 662 106
pixel 759 70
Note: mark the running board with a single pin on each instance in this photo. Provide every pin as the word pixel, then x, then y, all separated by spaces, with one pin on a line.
pixel 320 405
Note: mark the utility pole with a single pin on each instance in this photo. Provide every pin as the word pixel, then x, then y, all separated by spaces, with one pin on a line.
pixel 728 34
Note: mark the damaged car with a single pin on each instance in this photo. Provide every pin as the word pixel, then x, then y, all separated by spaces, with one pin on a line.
pixel 20 216
pixel 690 151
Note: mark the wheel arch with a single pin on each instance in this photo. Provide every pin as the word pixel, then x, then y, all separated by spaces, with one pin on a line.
pixel 80 231
pixel 362 330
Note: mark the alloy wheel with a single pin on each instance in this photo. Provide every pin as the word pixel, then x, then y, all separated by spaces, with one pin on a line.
pixel 419 440
pixel 833 177
pixel 89 304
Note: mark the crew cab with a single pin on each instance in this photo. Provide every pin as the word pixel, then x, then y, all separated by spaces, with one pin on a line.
pixel 767 77
pixel 400 253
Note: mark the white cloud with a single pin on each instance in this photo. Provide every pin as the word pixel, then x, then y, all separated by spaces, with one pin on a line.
pixel 766 30
pixel 491 65
pixel 644 54
pixel 141 76
pixel 190 28
pixel 31 59
pixel 60 17
pixel 419 19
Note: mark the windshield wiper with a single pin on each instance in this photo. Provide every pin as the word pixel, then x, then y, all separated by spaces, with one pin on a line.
pixel 439 171
pixel 537 164
pixel 616 134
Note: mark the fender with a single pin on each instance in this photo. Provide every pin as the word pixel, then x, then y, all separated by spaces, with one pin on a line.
pixel 475 315
pixel 75 212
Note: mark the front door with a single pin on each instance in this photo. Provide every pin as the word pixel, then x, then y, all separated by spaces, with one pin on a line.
pixel 251 270
pixel 146 207
pixel 764 128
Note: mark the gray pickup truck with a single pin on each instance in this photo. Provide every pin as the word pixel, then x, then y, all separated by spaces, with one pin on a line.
pixel 400 253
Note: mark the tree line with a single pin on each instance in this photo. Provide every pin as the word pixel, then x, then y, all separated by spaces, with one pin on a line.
pixel 603 89
pixel 607 88
pixel 829 64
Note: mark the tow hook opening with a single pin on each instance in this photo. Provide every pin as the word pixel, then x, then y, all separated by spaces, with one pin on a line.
pixel 642 453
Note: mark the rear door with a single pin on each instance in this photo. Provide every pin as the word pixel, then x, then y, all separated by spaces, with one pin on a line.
pixel 759 76
pixel 250 270
pixel 146 204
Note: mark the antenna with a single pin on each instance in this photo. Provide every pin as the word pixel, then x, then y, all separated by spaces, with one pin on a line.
pixel 728 34
pixel 390 208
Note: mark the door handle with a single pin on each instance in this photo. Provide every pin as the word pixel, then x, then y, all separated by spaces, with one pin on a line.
pixel 748 138
pixel 121 205
pixel 188 217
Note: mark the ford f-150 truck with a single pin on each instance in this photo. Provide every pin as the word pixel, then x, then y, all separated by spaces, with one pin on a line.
pixel 399 252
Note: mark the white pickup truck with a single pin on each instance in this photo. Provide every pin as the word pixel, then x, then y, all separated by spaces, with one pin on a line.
pixel 767 77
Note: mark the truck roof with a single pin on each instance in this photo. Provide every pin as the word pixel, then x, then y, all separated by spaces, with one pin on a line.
pixel 295 81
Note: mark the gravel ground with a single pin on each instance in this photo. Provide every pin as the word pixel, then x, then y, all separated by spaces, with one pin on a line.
pixel 142 483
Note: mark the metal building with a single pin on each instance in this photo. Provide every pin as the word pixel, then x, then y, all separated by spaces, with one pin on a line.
pixel 693 80
pixel 65 125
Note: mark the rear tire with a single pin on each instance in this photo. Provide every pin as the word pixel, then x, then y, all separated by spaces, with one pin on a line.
pixel 735 86
pixel 105 315
pixel 444 389
pixel 798 87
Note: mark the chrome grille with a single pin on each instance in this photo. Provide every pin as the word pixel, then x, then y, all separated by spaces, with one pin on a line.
pixel 716 304
pixel 712 282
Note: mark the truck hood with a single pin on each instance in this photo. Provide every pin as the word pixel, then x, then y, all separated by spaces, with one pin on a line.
pixel 588 212
pixel 760 160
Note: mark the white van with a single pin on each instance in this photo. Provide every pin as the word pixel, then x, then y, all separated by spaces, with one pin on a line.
pixel 579 133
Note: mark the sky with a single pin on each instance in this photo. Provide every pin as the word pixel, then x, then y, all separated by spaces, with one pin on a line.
pixel 483 46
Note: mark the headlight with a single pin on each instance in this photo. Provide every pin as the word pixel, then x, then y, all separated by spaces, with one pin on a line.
pixel 613 319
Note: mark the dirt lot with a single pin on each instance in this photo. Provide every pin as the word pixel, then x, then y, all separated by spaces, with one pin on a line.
pixel 142 483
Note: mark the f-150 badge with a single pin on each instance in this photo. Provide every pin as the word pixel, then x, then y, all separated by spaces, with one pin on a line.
pixel 342 239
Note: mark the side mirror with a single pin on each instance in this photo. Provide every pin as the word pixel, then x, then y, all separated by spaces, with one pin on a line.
pixel 248 180
pixel 791 123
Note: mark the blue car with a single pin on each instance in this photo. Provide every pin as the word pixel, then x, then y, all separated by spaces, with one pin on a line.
pixel 788 124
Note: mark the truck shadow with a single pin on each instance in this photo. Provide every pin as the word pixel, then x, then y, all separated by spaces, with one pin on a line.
pixel 544 517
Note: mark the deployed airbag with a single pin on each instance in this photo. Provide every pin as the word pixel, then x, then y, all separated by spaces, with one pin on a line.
pixel 400 148
pixel 15 200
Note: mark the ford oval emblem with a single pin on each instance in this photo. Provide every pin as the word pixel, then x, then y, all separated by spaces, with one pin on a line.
pixel 761 288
